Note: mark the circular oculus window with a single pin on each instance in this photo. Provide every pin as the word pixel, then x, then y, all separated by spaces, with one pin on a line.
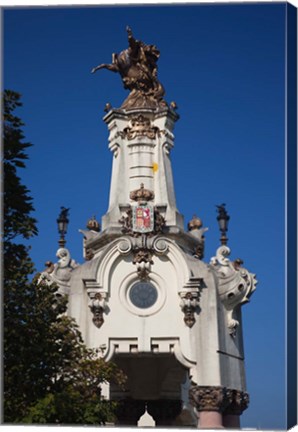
pixel 143 295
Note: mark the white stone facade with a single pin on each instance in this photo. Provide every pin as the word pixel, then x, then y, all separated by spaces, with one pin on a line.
pixel 148 300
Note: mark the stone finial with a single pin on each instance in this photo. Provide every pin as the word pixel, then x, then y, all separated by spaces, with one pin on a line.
pixel 141 194
pixel 194 223
pixel 93 224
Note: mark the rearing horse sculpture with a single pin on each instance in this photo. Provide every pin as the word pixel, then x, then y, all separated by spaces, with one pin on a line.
pixel 138 70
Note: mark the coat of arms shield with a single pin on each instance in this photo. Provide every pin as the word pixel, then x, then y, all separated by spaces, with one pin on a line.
pixel 143 218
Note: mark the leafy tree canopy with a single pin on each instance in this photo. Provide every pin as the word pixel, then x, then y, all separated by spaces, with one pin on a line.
pixel 49 374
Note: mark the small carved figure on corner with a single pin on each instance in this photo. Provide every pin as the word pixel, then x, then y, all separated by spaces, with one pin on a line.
pixel 107 107
pixel 50 266
pixel 237 263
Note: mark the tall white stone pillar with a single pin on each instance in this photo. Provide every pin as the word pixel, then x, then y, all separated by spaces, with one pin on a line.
pixel 141 141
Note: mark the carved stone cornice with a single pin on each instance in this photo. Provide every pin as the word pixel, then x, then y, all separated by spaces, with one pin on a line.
pixel 220 399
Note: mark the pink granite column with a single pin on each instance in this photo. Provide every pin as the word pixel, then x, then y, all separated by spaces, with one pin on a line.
pixel 209 402
pixel 210 420
pixel 237 402
pixel 231 421
pixel 218 407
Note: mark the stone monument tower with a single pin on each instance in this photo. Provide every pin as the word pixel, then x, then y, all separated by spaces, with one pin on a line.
pixel 145 296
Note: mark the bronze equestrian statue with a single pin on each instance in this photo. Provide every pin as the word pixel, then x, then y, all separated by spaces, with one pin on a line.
pixel 138 70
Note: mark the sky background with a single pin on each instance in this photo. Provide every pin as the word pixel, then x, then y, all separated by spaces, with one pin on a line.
pixel 224 66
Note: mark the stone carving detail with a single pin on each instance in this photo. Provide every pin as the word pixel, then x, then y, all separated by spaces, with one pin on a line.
pixel 189 303
pixel 93 224
pixel 124 246
pixel 143 260
pixel 141 194
pixel 236 285
pixel 160 246
pixel 221 399
pixel 140 126
pixel 97 306
pixel 195 228
pixel 127 224
pixel 205 398
pixel 137 66
pixel 238 401
pixel 60 272
pixel 143 251
pixel 89 254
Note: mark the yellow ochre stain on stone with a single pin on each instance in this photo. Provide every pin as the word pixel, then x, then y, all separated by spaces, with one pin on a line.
pixel 155 166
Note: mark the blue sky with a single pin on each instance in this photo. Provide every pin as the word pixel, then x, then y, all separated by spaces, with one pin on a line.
pixel 224 66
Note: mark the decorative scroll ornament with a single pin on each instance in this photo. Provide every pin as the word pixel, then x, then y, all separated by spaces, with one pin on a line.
pixel 140 126
pixel 189 303
pixel 236 285
pixel 97 306
pixel 93 224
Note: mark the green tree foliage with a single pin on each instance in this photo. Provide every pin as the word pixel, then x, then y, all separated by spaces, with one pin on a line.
pixel 49 374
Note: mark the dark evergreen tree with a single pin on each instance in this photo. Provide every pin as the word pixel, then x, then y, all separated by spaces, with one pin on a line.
pixel 49 374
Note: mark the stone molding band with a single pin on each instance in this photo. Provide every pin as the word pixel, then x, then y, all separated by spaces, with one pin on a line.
pixel 220 399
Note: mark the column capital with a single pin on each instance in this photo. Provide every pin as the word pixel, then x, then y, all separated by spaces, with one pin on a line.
pixel 208 398
pixel 238 402
pixel 220 399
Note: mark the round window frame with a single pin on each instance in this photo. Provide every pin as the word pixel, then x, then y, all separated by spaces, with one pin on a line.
pixel 128 284
pixel 139 284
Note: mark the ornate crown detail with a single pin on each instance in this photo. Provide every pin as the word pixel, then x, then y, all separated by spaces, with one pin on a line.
pixel 141 194
pixel 93 224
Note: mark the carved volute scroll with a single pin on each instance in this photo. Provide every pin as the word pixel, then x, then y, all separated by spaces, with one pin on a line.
pixel 236 285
